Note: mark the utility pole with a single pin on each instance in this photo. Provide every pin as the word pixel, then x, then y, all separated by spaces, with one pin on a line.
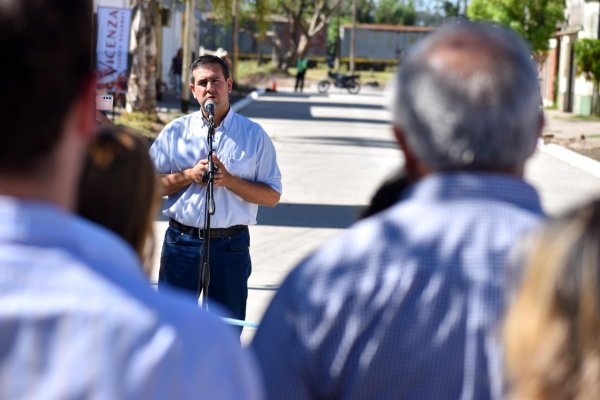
pixel 353 38
pixel 338 49
pixel 159 45
pixel 188 29
pixel 235 8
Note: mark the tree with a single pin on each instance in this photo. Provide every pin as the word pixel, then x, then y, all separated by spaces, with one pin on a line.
pixel 587 58
pixel 306 20
pixel 396 12
pixel 365 14
pixel 141 85
pixel 333 33
pixel 535 20
pixel 365 11
pixel 437 12
pixel 250 14
pixel 450 9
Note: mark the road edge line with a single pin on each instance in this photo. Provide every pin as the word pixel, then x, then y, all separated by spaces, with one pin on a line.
pixel 238 105
pixel 571 157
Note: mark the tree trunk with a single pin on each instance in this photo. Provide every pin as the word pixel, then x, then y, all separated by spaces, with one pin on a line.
pixel 141 86
pixel 234 38
pixel 188 48
pixel 302 46
pixel 353 39
pixel 596 99
pixel 286 60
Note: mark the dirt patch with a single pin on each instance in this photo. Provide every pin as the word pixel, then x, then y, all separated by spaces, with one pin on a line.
pixel 577 133
pixel 282 80
pixel 591 153
pixel 588 146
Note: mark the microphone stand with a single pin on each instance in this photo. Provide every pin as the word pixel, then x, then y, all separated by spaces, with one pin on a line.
pixel 209 209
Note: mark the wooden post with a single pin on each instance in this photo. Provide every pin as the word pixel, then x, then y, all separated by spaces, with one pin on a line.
pixel 353 38
pixel 234 38
pixel 188 26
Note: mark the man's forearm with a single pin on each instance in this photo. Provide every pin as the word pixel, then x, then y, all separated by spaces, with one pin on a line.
pixel 172 183
pixel 254 192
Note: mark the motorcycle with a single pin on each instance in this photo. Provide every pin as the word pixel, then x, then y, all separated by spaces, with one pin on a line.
pixel 349 82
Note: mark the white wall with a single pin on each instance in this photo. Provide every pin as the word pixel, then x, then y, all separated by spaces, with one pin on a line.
pixel 171 41
pixel 590 20
pixel 111 3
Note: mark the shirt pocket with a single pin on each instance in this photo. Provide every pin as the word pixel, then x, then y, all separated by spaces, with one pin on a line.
pixel 241 165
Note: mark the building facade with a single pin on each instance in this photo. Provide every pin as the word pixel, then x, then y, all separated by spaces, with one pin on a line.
pixel 573 93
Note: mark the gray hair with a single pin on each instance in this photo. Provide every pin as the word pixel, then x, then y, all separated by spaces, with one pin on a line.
pixel 467 97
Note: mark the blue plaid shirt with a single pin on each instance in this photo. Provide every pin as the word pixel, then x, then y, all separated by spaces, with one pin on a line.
pixel 78 320
pixel 406 304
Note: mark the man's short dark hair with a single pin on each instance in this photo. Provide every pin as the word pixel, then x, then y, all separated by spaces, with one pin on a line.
pixel 208 59
pixel 46 53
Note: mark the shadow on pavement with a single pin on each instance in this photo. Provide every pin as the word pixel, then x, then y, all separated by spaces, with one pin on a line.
pixel 342 141
pixel 309 215
pixel 303 215
pixel 300 110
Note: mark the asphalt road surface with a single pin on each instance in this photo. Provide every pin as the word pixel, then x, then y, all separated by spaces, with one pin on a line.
pixel 333 151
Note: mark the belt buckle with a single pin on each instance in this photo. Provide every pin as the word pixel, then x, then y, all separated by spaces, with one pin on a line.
pixel 215 233
pixel 202 233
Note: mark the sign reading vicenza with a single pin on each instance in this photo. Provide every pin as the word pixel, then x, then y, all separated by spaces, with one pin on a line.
pixel 112 48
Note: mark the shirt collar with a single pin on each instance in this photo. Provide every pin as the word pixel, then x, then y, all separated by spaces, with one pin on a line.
pixel 450 186
pixel 35 223
pixel 225 123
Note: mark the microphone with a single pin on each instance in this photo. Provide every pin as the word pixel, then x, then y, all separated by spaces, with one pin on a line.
pixel 209 107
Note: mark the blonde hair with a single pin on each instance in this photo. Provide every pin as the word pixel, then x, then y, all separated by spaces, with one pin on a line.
pixel 552 330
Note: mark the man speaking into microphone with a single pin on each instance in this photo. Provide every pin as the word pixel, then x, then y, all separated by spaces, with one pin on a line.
pixel 246 175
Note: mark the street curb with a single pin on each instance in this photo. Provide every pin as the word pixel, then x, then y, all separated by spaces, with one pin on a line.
pixel 573 158
pixel 238 105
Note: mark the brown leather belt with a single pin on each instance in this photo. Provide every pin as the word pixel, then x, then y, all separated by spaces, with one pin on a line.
pixel 215 233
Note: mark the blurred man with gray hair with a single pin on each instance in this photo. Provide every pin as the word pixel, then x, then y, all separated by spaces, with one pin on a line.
pixel 406 304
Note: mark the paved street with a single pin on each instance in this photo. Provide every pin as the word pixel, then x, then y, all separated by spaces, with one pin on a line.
pixel 334 150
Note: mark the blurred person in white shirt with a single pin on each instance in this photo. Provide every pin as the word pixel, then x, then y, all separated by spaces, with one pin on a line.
pixel 77 315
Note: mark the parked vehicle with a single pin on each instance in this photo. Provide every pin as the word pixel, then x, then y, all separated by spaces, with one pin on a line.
pixel 350 82
pixel 378 46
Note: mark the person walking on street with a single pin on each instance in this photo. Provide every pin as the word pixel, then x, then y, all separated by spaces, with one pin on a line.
pixel 175 72
pixel 301 66
pixel 406 303
pixel 247 176
pixel 79 318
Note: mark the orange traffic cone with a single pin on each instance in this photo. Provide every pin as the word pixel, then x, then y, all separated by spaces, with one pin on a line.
pixel 273 84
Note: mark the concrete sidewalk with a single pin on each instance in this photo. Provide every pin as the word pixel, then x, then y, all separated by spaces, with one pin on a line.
pixel 568 126
pixel 572 140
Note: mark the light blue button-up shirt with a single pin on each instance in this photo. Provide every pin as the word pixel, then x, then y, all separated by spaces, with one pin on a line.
pixel 244 148
pixel 78 320
pixel 406 304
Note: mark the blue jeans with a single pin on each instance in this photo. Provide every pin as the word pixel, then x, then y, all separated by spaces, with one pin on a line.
pixel 230 267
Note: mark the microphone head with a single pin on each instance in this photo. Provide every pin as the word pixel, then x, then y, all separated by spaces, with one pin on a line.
pixel 209 107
